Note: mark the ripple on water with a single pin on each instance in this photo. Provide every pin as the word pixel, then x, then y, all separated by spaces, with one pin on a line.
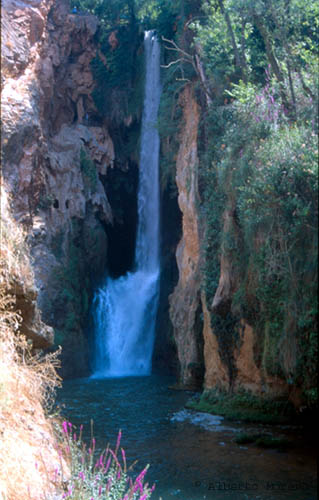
pixel 205 420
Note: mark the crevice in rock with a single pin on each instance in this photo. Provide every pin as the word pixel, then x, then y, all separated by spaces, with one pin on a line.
pixel 165 353
pixel 121 188
pixel 197 369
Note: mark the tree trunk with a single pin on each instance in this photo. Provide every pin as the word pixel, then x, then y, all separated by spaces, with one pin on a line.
pixel 238 61
pixel 272 60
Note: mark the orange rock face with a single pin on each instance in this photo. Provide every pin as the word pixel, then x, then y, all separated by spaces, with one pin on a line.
pixel 185 300
pixel 206 358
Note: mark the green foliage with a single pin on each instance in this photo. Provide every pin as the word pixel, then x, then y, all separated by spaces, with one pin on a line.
pixel 267 166
pixel 243 406
pixel 161 15
pixel 118 65
pixel 111 13
pixel 258 161
pixel 88 170
pixel 239 39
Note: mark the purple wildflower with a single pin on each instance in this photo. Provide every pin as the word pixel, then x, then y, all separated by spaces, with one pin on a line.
pixel 107 465
pixel 118 441
pixel 115 458
pixel 141 475
pixel 136 487
pixel 65 427
pixel 140 486
pixel 124 458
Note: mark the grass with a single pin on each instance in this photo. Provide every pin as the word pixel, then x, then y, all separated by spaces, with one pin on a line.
pixel 243 406
pixel 27 443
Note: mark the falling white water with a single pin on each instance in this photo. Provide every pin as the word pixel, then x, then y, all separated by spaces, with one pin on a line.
pixel 125 308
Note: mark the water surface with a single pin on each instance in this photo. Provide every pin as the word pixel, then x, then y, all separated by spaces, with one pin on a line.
pixel 192 455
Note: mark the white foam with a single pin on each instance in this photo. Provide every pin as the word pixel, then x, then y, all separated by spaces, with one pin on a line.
pixel 207 421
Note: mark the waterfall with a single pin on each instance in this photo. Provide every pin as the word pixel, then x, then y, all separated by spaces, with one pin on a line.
pixel 125 308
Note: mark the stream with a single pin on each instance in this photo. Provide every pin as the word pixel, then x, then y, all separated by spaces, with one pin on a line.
pixel 192 455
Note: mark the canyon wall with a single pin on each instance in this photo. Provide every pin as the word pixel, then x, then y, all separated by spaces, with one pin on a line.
pixel 220 346
pixel 54 155
pixel 185 301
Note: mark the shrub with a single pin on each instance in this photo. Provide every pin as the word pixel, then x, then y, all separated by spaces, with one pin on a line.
pixel 263 165
pixel 101 475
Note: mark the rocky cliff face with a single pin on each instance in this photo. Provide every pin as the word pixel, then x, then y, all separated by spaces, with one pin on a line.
pixel 185 302
pixel 54 156
pixel 17 279
pixel 218 347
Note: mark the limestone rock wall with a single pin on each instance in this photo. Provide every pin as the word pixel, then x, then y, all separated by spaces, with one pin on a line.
pixel 53 156
pixel 185 302
pixel 17 278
